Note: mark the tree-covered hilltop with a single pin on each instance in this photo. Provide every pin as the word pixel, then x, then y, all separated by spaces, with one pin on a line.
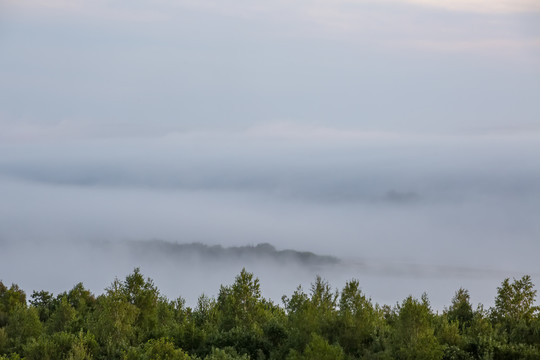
pixel 131 320
pixel 260 252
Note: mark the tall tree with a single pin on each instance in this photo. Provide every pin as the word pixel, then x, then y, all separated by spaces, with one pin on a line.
pixel 23 325
pixel 113 321
pixel 414 337
pixel 240 304
pixel 515 301
pixel 143 294
pixel 10 298
pixel 357 319
pixel 461 309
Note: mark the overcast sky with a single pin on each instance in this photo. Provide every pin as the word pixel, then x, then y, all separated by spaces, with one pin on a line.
pixel 404 130
pixel 73 68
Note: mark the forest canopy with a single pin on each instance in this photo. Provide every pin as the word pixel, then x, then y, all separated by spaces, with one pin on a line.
pixel 132 320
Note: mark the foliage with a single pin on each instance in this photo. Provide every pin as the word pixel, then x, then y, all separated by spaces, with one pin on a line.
pixel 157 349
pixel 414 336
pixel 132 320
pixel 461 309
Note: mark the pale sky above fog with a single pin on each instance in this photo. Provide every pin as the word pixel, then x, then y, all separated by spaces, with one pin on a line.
pixel 148 68
pixel 404 130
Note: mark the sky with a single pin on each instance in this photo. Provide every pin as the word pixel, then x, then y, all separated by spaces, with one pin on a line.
pixel 387 133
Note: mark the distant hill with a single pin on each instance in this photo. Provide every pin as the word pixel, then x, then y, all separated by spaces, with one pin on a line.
pixel 261 252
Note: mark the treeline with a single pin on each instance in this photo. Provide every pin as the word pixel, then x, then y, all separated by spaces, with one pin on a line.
pixel 131 320
pixel 266 252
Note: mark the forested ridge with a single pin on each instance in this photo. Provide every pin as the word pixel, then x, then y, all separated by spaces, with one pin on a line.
pixel 168 250
pixel 132 320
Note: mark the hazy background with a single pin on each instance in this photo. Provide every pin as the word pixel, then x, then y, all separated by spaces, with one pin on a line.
pixel 401 136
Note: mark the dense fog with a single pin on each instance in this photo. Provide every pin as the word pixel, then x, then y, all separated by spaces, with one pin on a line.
pixel 404 214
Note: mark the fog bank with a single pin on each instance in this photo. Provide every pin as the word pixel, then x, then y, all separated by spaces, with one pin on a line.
pixel 404 214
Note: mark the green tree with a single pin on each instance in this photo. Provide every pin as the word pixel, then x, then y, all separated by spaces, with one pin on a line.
pixel 84 347
pixel 515 301
pixel 10 298
pixel 113 321
pixel 515 312
pixel 198 326
pixel 43 301
pixel 239 305
pixel 414 337
pixel 84 302
pixel 61 345
pixel 143 294
pixel 4 340
pixel 461 309
pixel 63 317
pixel 23 325
pixel 313 314
pixel 318 348
pixel 357 318
pixel 156 349
pixel 480 337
